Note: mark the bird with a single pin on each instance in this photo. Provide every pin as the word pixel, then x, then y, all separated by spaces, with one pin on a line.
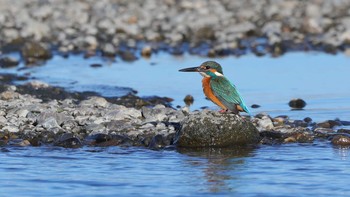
pixel 218 88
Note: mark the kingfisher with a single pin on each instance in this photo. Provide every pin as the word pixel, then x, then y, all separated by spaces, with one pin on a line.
pixel 218 88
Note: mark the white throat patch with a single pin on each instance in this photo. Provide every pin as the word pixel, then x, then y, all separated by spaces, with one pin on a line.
pixel 203 74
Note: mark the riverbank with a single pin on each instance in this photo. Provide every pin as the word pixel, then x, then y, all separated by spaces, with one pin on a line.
pixel 78 120
pixel 130 29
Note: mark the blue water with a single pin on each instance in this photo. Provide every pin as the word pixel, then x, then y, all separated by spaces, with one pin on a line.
pixel 322 80
pixel 286 170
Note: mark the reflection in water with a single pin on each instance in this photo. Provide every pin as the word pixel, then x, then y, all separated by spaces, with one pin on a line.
pixel 220 165
pixel 342 152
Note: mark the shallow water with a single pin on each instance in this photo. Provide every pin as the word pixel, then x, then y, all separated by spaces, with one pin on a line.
pixel 322 80
pixel 286 170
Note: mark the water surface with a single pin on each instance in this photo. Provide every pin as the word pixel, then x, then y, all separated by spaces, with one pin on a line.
pixel 285 170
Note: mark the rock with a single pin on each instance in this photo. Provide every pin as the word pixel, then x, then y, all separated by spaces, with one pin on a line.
pixel 341 140
pixel 68 140
pixel 188 100
pixel 146 52
pixel 19 142
pixel 95 102
pixel 265 123
pixel 8 62
pixel 11 129
pixel 328 124
pixel 159 141
pixel 36 84
pixel 155 114
pixel 323 132
pixel 95 65
pixel 108 140
pixel 127 56
pixel 9 95
pixel 33 52
pixel 108 50
pixel 255 106
pixel 297 103
pixel 212 129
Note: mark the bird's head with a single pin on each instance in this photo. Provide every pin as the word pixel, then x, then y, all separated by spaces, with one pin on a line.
pixel 206 69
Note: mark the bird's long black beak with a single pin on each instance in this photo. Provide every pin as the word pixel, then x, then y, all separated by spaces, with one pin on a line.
pixel 192 69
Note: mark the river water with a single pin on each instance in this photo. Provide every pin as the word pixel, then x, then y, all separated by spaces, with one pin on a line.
pixel 285 170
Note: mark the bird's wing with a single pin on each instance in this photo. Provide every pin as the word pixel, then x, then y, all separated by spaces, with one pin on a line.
pixel 227 93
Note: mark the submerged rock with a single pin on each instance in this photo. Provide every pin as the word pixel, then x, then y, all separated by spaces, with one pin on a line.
pixel 212 129
pixel 341 140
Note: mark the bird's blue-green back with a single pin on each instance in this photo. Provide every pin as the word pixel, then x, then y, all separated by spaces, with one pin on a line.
pixel 227 93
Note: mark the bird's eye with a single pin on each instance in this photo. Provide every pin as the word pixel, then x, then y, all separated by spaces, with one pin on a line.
pixel 207 67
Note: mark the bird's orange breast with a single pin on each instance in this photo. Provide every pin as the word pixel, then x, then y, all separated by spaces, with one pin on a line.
pixel 209 93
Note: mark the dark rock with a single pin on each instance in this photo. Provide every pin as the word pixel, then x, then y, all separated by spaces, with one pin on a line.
pixel 308 120
pixel 341 140
pixel 323 132
pixel 160 141
pixel 212 129
pixel 297 103
pixel 68 140
pixel 188 100
pixel 33 52
pixel 301 137
pixel 344 131
pixel 255 106
pixel 8 62
pixel 104 140
pixel 128 56
pixel 96 65
pixel 328 124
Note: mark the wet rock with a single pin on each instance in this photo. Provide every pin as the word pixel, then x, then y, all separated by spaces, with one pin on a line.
pixel 323 132
pixel 254 106
pixel 265 123
pixel 33 52
pixel 104 140
pixel 343 131
pixel 68 140
pixel 212 129
pixel 19 142
pixel 328 124
pixel 128 56
pixel 146 52
pixel 297 103
pixel 8 62
pixel 301 137
pixel 157 142
pixel 341 140
pixel 95 65
pixel 108 50
pixel 188 100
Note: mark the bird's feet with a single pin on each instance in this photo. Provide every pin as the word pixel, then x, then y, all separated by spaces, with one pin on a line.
pixel 223 111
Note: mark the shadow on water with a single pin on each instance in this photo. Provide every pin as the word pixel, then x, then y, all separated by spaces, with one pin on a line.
pixel 219 165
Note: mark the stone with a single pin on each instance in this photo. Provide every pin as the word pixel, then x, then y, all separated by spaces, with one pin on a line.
pixel 341 140
pixel 9 95
pixel 146 52
pixel 265 123
pixel 68 140
pixel 128 56
pixel 188 100
pixel 155 114
pixel 297 103
pixel 213 129
pixel 328 124
pixel 95 102
pixel 34 52
pixel 8 62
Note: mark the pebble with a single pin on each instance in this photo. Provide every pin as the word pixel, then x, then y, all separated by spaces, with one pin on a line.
pixel 297 103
